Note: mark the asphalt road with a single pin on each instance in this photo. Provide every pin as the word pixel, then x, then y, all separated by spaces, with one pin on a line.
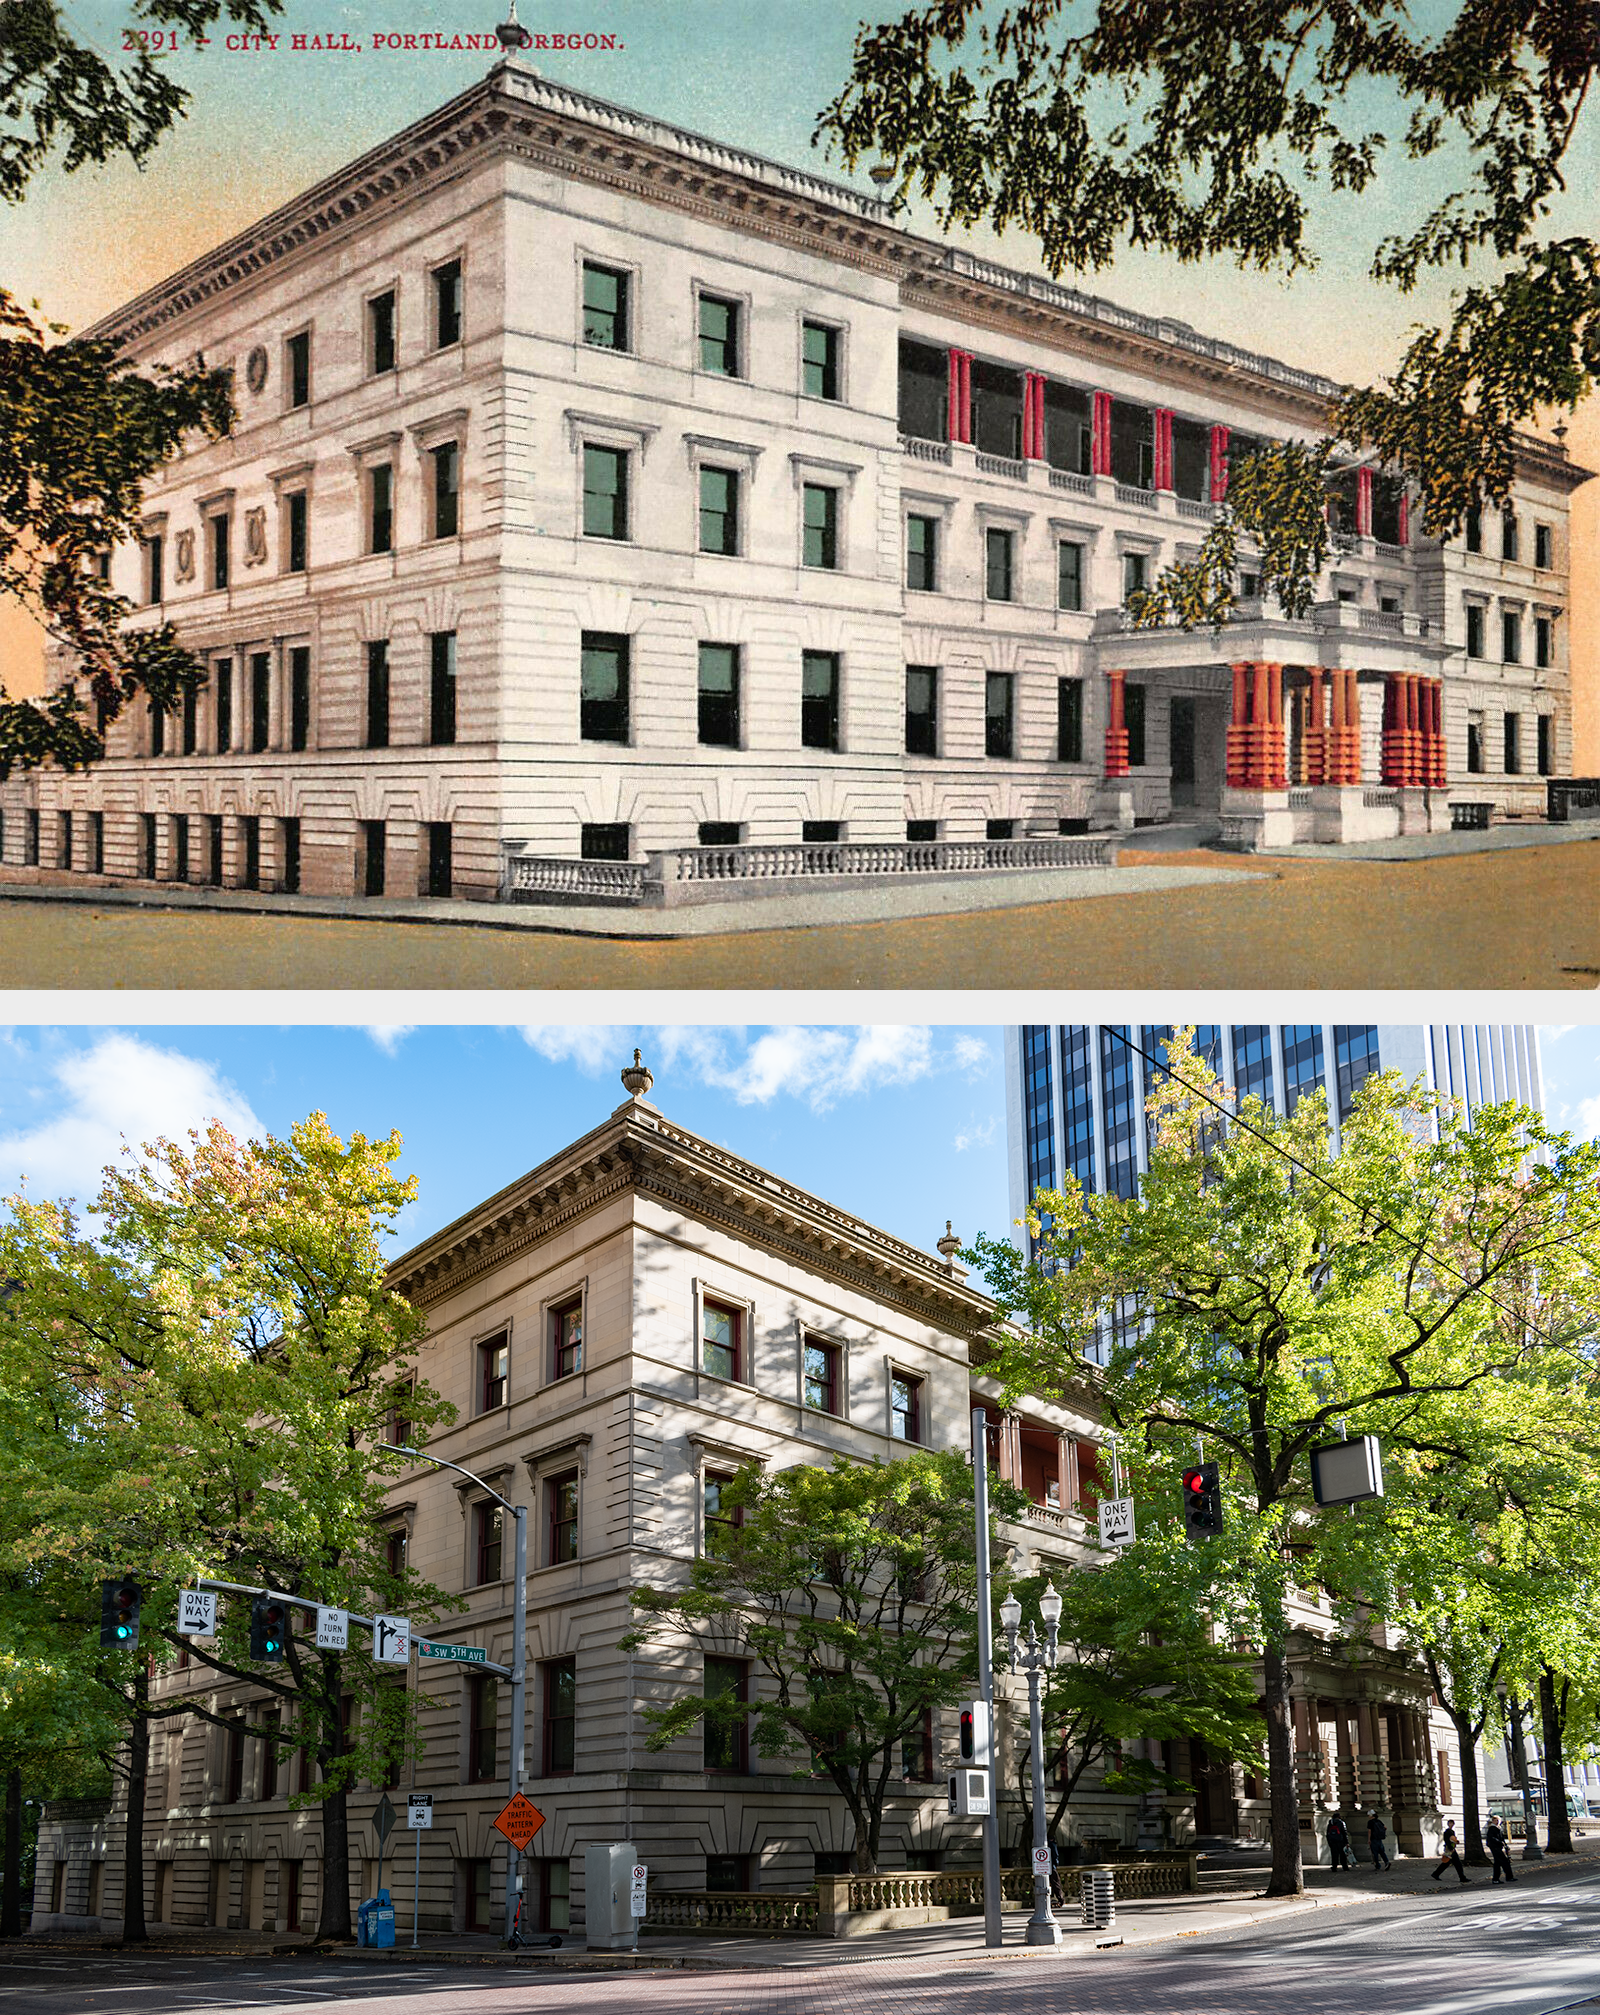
pixel 1525 1951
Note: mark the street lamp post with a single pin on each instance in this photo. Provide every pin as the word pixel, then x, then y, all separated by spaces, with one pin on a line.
pixel 519 1636
pixel 1033 1659
pixel 993 1934
pixel 1531 1850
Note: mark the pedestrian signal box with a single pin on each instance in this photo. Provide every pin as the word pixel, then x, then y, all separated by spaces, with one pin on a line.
pixel 975 1734
pixel 969 1794
pixel 1202 1501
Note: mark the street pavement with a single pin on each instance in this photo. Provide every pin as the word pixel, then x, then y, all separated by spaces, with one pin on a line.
pixel 1413 1949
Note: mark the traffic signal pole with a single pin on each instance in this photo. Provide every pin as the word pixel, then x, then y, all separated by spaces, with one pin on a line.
pixel 991 1825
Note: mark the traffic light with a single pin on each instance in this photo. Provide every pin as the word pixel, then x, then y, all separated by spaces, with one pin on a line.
pixel 269 1626
pixel 1202 1501
pixel 119 1613
pixel 975 1734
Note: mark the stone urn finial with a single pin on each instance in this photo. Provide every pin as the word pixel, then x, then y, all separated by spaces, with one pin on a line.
pixel 636 1078
pixel 950 1244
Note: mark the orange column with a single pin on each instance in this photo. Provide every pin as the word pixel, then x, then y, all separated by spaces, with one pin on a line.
pixel 1413 727
pixel 1116 727
pixel 1258 727
pixel 1352 728
pixel 1277 755
pixel 1313 740
pixel 1440 768
pixel 1236 730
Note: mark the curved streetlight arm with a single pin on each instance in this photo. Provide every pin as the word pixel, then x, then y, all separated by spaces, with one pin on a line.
pixel 438 1461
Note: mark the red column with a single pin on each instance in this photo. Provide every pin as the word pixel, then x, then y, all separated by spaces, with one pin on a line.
pixel 1033 416
pixel 1237 762
pixel 1412 689
pixel 1393 731
pixel 1405 519
pixel 1314 738
pixel 960 395
pixel 1440 776
pixel 1100 434
pixel 1219 464
pixel 1352 728
pixel 1116 727
pixel 1364 503
pixel 1163 455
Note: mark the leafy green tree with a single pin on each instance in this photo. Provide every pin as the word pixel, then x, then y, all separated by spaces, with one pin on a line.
pixel 1200 134
pixel 1280 1291
pixel 852 1590
pixel 223 1359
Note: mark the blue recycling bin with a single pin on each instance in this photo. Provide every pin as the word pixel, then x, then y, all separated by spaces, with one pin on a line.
pixel 375 1921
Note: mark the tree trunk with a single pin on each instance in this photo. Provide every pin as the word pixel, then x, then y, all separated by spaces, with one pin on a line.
pixel 1558 1823
pixel 134 1931
pixel 1473 1852
pixel 1287 1877
pixel 333 1905
pixel 11 1885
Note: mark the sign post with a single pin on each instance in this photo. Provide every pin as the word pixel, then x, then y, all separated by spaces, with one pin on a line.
pixel 636 1891
pixel 419 1817
pixel 992 1933
pixel 383 1826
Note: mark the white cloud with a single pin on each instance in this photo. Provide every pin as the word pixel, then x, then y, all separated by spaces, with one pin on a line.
pixel 820 1065
pixel 977 1133
pixel 1586 1124
pixel 390 1035
pixel 120 1088
pixel 972 1054
pixel 591 1047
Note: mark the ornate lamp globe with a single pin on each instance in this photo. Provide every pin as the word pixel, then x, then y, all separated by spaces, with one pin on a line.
pixel 1050 1608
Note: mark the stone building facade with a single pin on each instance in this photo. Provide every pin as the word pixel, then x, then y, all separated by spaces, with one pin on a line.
pixel 598 489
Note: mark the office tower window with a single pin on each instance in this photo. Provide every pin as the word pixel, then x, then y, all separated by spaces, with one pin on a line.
pixel 719 336
pixel 1355 1058
pixel 1252 1063
pixel 605 308
pixel 1135 571
pixel 719 511
pixel 1510 538
pixel 1302 1063
pixel 1475 744
pixel 560 1676
pixel 718 696
pixel 1069 575
pixel 605 493
pixel 380 333
pixel 1133 720
pixel 260 701
pixel 905 1406
pixel 447 300
pixel 998 707
pixel 374 856
pixel 1513 745
pixel 605 842
pixel 1038 1109
pixel 1077 1101
pixel 217 532
pixel 721 1339
pixel 289 841
pixel 999 557
pixel 299 355
pixel 378 694
pixel 297 510
pixel 446 490
pixel 821 533
pixel 438 841
pixel 1474 614
pixel 1544 547
pixel 820 1372
pixel 922 710
pixel 922 554
pixel 819 700
pixel 603 687
pixel 1069 720
pixel 1511 637
pixel 820 346
pixel 442 688
pixel 380 508
pixel 300 697
pixel 1121 1118
pixel 1546 744
pixel 154 581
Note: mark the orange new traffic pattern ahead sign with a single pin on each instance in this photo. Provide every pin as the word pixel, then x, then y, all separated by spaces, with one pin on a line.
pixel 520 1821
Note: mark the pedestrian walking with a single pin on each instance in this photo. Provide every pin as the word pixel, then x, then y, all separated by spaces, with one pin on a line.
pixel 1339 1842
pixel 1450 1853
pixel 1377 1833
pixel 1494 1838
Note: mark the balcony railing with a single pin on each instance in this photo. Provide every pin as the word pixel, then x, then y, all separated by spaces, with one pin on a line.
pixel 1069 479
pixel 925 451
pixel 1191 507
pixel 1141 500
pixel 1002 465
pixel 530 877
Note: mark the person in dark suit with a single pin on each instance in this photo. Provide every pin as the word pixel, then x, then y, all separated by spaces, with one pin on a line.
pixel 1450 1853
pixel 1494 1838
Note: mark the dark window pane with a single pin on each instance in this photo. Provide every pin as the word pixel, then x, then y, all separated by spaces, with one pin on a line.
pixel 298 526
pixel 922 553
pixel 605 308
pixel 299 698
pixel 260 699
pixel 605 493
pixel 726 1735
pixel 222 681
pixel 560 1715
pixel 1069 720
pixel 603 702
pixel 719 695
pixel 300 369
pixel 821 349
pixel 998 551
pixel 447 305
pixel 219 552
pixel 719 511
pixel 719 1340
pixel 606 843
pixel 380 322
pixel 997 723
pixel 446 490
pixel 382 489
pixel 821 548
pixel 1133 717
pixel 1069 575
pixel 441 872
pixel 378 695
pixel 819 700
pixel 719 336
pixel 922 710
pixel 442 687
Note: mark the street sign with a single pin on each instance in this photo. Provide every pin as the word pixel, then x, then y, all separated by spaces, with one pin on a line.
pixel 419 1810
pixel 636 1902
pixel 333 1629
pixel 391 1640
pixel 197 1613
pixel 463 1654
pixel 383 1819
pixel 1116 1521
pixel 520 1821
pixel 1041 1861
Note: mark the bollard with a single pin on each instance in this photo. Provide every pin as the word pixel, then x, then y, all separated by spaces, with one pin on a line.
pixel 1099 1897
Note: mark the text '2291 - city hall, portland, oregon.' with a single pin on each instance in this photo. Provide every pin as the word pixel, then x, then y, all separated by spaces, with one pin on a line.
pixel 600 494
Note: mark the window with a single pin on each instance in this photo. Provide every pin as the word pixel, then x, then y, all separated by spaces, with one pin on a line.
pixel 728 1874
pixel 217 531
pixel 916 1750
pixel 820 832
pixel 1513 727
pixel 1475 744
pixel 905 1407
pixel 555 1895
pixel 233 1763
pixel 486 1529
pixel 1069 720
pixel 721 1518
pixel 1509 539
pixel 482 1910
pixel 442 687
pixel 719 511
pixel 158 730
pixel 998 702
pixel 260 700
pixel 289 838
pixel 718 833
pixel 820 1368
pixel 439 848
pixel 394 1551
pixel 290 1876
pixel 819 700
pixel 95 864
pixel 1474 530
pixel 374 852
pixel 720 1339
pixel 1474 612
pixel 64 840
pixel 605 843
pixel 605 493
pixel 821 540
pixel 999 829
pixel 1069 575
pixel 493 1355
pixel 719 336
pixel 560 1689
pixel 922 829
pixel 250 833
pixel 1134 574
pixel 147 842
pixel 272 1721
pixel 922 554
pixel 727 1732
pixel 154 585
pixel 380 508
pixel 922 710
pixel 999 551
pixel 820 353
pixel 566 1338
pixel 299 697
pixel 605 308
pixel 378 694
pixel 191 720
pixel 561 1512
pixel 1302 1062
pixel 299 355
pixel 1544 547
pixel 180 845
pixel 1133 719
pixel 447 305
pixel 446 490
pixel 1511 636
pixel 297 515
pixel 380 333
pixel 603 688
pixel 1543 642
pixel 719 695
pixel 1546 744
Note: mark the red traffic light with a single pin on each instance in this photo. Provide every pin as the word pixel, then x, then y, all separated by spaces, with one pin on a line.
pixel 1193 1480
pixel 967 1743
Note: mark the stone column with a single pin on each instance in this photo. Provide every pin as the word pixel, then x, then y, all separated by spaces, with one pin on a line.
pixel 1237 759
pixel 1346 1791
pixel 1116 725
pixel 1374 1791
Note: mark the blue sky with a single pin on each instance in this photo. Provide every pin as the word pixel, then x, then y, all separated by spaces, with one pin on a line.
pixel 903 1125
